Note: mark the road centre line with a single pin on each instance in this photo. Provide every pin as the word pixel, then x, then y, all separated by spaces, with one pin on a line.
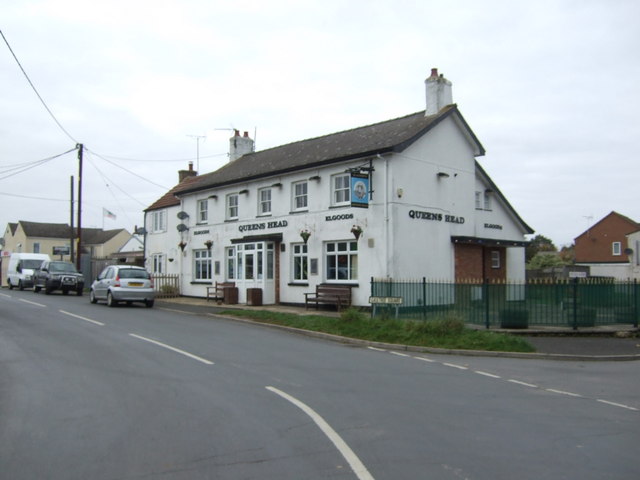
pixel 525 384
pixel 377 349
pixel 356 465
pixel 487 374
pixel 173 349
pixel 399 354
pixel 621 405
pixel 82 318
pixel 562 392
pixel 32 303
pixel 425 359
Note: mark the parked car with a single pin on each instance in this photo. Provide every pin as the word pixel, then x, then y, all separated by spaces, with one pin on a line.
pixel 21 268
pixel 58 275
pixel 123 283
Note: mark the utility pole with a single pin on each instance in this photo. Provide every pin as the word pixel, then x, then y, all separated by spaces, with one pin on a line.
pixel 71 233
pixel 197 137
pixel 80 148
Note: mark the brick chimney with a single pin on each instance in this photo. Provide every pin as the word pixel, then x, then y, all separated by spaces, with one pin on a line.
pixel 239 145
pixel 438 92
pixel 182 174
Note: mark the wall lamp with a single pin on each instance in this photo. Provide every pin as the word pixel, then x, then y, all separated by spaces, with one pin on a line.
pixel 277 185
pixel 443 175
pixel 215 197
pixel 243 192
pixel 315 177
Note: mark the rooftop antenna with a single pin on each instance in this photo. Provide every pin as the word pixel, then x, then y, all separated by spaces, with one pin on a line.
pixel 197 137
pixel 588 218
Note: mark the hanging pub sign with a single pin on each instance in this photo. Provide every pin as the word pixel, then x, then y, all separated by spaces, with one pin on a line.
pixel 360 190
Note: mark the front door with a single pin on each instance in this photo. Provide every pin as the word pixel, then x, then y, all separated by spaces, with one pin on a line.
pixel 254 268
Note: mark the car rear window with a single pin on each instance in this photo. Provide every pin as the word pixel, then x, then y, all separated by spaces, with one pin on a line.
pixel 132 273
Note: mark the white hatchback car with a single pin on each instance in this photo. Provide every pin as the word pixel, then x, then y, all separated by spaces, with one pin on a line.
pixel 123 283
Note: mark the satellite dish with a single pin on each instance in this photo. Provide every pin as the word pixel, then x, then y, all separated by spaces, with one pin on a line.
pixel 183 215
pixel 182 227
pixel 628 251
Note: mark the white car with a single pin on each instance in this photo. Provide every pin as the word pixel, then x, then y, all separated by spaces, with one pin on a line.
pixel 123 283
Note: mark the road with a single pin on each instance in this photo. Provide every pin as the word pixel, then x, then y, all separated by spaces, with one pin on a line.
pixel 91 392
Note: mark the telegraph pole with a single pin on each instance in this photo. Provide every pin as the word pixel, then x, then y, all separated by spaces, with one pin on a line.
pixel 80 148
pixel 72 236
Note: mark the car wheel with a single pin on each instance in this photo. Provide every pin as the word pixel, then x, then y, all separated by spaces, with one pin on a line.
pixel 148 303
pixel 20 285
pixel 36 289
pixel 92 297
pixel 10 284
pixel 111 301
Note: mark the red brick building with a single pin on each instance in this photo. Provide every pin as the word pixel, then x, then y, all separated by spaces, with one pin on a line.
pixel 604 246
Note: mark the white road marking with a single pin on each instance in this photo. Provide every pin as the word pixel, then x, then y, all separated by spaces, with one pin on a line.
pixel 399 354
pixel 356 465
pixel 562 392
pixel 522 383
pixel 487 374
pixel 424 359
pixel 461 367
pixel 377 349
pixel 82 318
pixel 5 295
pixel 184 312
pixel 173 349
pixel 32 303
pixel 617 404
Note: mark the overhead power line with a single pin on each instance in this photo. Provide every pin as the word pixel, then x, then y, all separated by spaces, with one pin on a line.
pixel 35 90
pixel 24 167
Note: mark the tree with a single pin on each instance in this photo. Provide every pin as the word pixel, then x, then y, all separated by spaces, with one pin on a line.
pixel 539 243
pixel 545 260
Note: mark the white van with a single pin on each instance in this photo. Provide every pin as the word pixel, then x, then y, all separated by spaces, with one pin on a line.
pixel 21 267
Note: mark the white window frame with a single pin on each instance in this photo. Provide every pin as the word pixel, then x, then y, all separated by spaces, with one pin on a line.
pixel 202 265
pixel 232 208
pixel 264 201
pixel 158 263
pixel 616 249
pixel 487 201
pixel 203 211
pixel 341 194
pixel 495 259
pixel 339 251
pixel 300 259
pixel 300 200
pixel 159 221
pixel 478 200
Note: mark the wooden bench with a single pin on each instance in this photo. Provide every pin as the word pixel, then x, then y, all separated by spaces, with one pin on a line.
pixel 338 295
pixel 217 292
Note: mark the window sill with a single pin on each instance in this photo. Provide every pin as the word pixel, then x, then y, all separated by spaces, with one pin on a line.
pixel 201 282
pixel 294 212
pixel 297 284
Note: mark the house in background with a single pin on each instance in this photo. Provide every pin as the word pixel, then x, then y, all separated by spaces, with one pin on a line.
pixel 404 198
pixel 54 240
pixel 606 249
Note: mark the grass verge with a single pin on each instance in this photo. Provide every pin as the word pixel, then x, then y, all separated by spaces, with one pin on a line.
pixel 447 332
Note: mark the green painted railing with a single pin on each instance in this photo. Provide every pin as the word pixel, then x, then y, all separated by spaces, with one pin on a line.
pixel 575 303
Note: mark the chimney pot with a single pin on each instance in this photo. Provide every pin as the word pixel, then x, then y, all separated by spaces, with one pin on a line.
pixel 236 133
pixel 246 134
pixel 434 72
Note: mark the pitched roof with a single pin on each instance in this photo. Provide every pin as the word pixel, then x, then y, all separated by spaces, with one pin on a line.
pixel 384 137
pixel 633 225
pixel 169 199
pixel 92 236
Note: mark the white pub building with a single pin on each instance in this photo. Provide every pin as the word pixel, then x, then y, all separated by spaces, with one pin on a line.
pixel 404 198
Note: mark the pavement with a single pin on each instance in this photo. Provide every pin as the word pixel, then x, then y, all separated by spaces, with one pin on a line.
pixel 610 343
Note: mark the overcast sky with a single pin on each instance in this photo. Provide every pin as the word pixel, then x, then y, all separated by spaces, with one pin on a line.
pixel 550 88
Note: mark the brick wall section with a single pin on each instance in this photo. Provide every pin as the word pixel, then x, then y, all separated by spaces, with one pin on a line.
pixel 469 263
pixel 596 244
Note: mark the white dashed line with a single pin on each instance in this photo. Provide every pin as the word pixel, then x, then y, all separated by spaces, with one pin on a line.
pixel 617 404
pixel 524 384
pixel 82 318
pixel 460 367
pixel 487 374
pixel 173 349
pixel 424 359
pixel 356 465
pixel 32 303
pixel 377 349
pixel 399 354
pixel 562 392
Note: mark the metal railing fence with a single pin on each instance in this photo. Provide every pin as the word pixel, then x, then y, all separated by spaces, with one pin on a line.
pixel 578 302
